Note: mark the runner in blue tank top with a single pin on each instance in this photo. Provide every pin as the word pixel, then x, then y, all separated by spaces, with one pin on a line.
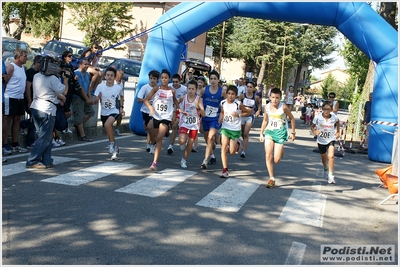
pixel 212 97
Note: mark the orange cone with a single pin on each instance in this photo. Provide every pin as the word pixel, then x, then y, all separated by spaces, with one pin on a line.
pixel 382 175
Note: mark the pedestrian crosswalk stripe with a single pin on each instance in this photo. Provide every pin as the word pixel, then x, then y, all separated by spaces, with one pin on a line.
pixel 15 168
pixel 296 253
pixel 157 183
pixel 229 196
pixel 304 207
pixel 90 174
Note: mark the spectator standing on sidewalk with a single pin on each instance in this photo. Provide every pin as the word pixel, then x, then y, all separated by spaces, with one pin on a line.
pixel 14 102
pixel 82 105
pixel 367 117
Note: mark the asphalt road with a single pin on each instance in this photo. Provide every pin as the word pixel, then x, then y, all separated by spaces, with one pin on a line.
pixel 91 210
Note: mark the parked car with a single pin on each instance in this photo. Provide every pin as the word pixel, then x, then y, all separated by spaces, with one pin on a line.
pixel 199 68
pixel 131 69
pixel 56 48
pixel 10 44
pixel 105 61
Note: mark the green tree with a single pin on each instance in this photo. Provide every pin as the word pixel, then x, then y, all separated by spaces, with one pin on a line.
pixel 260 44
pixel 102 22
pixel 330 84
pixel 42 17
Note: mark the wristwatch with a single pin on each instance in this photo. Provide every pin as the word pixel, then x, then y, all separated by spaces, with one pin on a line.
pixel 293 133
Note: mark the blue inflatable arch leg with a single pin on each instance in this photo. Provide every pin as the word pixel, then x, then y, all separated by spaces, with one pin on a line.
pixel 357 21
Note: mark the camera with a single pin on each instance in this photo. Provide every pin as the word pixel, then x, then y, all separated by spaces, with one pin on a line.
pixel 50 66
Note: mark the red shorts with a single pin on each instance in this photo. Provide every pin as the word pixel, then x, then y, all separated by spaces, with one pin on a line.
pixel 192 133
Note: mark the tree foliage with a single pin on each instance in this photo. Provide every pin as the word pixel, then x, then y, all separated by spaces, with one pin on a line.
pixel 42 17
pixel 102 22
pixel 330 84
pixel 260 44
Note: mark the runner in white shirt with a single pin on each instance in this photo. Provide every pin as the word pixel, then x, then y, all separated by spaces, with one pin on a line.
pixel 326 126
pixel 109 94
pixel 162 111
pixel 154 75
pixel 180 90
pixel 191 107
pixel 231 130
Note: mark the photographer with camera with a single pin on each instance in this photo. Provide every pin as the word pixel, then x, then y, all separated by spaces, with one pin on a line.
pixel 47 89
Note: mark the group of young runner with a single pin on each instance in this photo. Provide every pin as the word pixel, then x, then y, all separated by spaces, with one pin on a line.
pixel 221 114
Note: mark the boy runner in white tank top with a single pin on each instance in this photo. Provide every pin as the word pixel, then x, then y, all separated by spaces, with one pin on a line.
pixel 191 106
pixel 231 130
pixel 326 127
pixel 274 132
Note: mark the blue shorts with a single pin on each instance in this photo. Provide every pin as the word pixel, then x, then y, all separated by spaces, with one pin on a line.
pixel 208 124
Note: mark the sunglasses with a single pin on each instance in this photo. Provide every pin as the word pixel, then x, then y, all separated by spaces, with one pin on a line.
pixel 331 96
pixel 69 56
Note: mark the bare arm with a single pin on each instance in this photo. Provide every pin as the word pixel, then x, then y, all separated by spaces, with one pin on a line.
pixel 263 126
pixel 292 121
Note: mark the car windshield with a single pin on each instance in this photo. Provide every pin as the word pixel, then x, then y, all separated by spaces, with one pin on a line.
pixel 128 67
pixel 61 47
pixel 12 46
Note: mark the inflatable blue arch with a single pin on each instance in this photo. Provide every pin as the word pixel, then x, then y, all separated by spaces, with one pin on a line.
pixel 364 27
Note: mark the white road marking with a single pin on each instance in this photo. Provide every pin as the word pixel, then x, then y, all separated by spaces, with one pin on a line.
pixel 229 196
pixel 11 169
pixel 157 183
pixel 90 174
pixel 316 186
pixel 304 207
pixel 296 254
pixel 69 146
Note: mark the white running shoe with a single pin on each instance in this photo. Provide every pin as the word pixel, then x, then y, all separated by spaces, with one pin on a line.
pixel 18 148
pixel 148 147
pixel 117 132
pixel 115 153
pixel 55 143
pixel 111 148
pixel 183 164
pixel 331 179
pixel 152 148
pixel 67 131
pixel 61 142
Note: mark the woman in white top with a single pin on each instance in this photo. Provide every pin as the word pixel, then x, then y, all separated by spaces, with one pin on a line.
pixel 162 110
pixel 289 98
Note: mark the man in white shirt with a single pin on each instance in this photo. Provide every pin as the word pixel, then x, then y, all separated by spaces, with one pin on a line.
pixel 13 107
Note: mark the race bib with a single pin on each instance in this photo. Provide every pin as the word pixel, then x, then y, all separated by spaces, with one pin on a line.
pixel 160 107
pixel 325 134
pixel 230 118
pixel 274 124
pixel 191 120
pixel 249 102
pixel 108 103
pixel 211 111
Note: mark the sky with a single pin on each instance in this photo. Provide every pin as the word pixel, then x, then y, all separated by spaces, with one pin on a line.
pixel 339 61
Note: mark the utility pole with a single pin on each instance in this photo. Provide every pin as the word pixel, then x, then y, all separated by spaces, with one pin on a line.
pixel 221 48
pixel 283 58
